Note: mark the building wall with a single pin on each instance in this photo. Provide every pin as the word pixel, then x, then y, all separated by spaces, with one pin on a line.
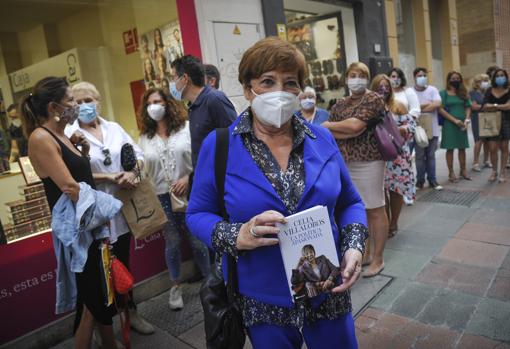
pixel 477 46
pixel 502 32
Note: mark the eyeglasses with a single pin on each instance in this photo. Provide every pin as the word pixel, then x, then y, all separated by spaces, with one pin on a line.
pixel 107 157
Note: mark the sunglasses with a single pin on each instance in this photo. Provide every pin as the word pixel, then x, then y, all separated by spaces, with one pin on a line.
pixel 107 157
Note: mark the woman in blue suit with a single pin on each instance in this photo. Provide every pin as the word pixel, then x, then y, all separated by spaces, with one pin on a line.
pixel 278 165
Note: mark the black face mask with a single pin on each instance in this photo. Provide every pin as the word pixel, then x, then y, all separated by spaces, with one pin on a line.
pixel 455 84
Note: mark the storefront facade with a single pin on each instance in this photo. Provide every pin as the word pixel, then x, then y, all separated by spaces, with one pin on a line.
pixel 123 46
pixel 81 41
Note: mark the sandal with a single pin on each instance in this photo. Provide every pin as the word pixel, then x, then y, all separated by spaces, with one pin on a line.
pixel 493 176
pixel 453 178
pixel 487 164
pixel 465 176
pixel 476 168
pixel 392 232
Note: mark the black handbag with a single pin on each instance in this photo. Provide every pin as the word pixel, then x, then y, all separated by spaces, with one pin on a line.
pixel 127 157
pixel 222 317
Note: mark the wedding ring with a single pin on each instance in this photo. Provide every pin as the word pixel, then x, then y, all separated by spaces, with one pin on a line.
pixel 253 233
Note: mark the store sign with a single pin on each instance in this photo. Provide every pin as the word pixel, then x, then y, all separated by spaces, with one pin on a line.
pixel 65 64
pixel 130 41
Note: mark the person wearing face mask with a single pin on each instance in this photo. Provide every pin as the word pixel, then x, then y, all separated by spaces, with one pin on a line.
pixel 497 98
pixel 279 164
pixel 456 109
pixel 403 94
pixel 309 110
pixel 106 139
pixel 19 144
pixel 480 85
pixel 352 123
pixel 407 96
pixel 209 109
pixel 166 143
pixel 45 112
pixel 430 101
pixel 399 175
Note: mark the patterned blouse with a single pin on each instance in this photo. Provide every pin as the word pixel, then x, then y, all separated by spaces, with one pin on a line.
pixel 363 147
pixel 289 185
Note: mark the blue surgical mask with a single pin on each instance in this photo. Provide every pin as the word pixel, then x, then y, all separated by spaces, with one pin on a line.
pixel 500 81
pixel 421 81
pixel 174 91
pixel 88 112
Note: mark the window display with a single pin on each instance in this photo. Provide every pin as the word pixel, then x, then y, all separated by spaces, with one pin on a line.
pixel 320 39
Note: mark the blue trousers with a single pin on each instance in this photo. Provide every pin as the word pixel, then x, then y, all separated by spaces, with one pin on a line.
pixel 426 162
pixel 332 334
pixel 173 232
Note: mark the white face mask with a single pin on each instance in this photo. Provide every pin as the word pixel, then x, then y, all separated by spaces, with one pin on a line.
pixel 357 84
pixel 307 103
pixel 156 111
pixel 16 122
pixel 274 108
pixel 485 85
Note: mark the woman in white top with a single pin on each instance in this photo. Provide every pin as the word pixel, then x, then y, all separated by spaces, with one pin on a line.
pixel 404 95
pixel 166 142
pixel 106 139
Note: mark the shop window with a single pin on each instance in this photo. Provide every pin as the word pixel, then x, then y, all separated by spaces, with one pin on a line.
pixel 321 40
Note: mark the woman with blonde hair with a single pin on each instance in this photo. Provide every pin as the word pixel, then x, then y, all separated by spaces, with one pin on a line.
pixel 399 178
pixel 352 122
pixel 106 139
pixel 479 85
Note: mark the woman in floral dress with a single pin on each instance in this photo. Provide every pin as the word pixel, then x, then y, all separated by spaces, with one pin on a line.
pixel 399 176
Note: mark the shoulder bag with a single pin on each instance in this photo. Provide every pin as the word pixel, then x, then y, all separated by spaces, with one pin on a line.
pixel 388 138
pixel 222 317
pixel 179 203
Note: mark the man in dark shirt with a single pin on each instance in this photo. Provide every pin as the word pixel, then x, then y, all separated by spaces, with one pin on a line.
pixel 209 109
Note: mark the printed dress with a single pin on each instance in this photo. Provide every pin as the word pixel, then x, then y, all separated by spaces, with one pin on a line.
pixel 399 176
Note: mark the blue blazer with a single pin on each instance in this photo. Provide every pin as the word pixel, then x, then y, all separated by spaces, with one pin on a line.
pixel 249 193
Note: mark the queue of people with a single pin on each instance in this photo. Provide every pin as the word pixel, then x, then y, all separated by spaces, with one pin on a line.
pixel 285 155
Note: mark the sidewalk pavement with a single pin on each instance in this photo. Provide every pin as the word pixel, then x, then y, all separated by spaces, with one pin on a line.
pixel 446 283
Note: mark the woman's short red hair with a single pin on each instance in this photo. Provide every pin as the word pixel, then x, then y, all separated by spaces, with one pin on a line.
pixel 270 54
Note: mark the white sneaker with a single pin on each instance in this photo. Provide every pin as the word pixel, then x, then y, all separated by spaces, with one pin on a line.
pixel 175 300
pixel 408 202
pixel 139 324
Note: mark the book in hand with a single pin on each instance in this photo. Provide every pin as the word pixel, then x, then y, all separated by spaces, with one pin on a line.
pixel 309 253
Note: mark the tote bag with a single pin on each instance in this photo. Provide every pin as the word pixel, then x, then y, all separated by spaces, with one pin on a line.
pixel 142 209
pixel 489 124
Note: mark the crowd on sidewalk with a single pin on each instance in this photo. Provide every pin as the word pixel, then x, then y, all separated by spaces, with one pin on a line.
pixel 282 155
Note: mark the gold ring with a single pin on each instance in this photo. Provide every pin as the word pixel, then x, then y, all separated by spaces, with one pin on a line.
pixel 253 233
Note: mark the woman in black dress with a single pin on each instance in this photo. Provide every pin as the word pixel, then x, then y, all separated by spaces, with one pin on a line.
pixel 61 166
pixel 497 98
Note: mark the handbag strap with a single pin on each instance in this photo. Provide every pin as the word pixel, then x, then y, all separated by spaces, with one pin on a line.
pixel 220 169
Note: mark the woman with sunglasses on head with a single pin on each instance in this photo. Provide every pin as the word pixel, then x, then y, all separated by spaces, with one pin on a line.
pixel 106 139
pixel 62 167
pixel 166 142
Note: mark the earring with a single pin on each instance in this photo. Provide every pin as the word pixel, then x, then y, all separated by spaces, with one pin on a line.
pixel 56 117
